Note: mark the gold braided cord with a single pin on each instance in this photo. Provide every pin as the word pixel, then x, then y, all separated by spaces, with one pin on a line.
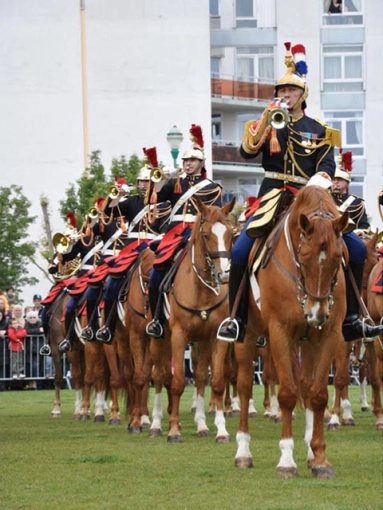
pixel 253 139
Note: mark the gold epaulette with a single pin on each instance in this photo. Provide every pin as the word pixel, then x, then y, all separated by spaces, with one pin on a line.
pixel 332 135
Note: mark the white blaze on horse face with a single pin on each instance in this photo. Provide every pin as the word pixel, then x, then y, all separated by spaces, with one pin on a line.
pixel 219 230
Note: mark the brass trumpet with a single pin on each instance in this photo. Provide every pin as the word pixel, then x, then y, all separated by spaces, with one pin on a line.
pixel 277 118
pixel 164 174
pixel 93 213
pixel 114 192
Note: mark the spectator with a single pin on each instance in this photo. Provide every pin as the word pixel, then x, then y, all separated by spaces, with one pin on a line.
pixel 18 314
pixel 34 328
pixel 27 309
pixel 37 306
pixel 335 7
pixel 16 335
pixel 4 306
pixel 11 296
pixel 4 357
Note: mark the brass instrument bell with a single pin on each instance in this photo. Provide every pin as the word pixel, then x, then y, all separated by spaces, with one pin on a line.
pixel 61 243
pixel 277 118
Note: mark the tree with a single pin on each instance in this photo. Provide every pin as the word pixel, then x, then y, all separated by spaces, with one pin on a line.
pixel 81 195
pixel 16 251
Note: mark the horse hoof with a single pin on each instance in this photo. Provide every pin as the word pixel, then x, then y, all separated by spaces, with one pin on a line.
pixel 85 417
pixel 155 432
pixel 253 415
pixel 114 421
pixel 228 414
pixel 193 410
pixel 55 415
pixel 365 409
pixel 287 472
pixel 223 439
pixel 324 473
pixel 348 423
pixel 77 416
pixel 236 411
pixel 134 430
pixel 145 426
pixel 333 426
pixel 277 420
pixel 211 413
pixel 174 439
pixel 204 433
pixel 99 418
pixel 379 426
pixel 244 462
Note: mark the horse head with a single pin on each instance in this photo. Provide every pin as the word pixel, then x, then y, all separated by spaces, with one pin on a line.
pixel 319 251
pixel 211 243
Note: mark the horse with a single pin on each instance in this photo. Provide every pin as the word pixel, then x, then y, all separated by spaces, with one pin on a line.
pixel 197 302
pixel 341 401
pixel 129 355
pixel 302 307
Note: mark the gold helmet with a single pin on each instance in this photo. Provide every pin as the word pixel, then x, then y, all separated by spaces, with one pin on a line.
pixel 344 166
pixel 295 62
pixel 144 173
pixel 196 150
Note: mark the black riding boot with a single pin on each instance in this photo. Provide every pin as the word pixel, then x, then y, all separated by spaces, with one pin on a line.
pixel 232 330
pixel 106 333
pixel 67 344
pixel 89 333
pixel 46 348
pixel 155 328
pixel 353 328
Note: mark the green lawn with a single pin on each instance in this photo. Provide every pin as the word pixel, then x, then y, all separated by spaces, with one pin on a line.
pixel 63 463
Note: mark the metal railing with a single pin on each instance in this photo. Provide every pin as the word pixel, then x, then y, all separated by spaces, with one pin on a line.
pixel 30 364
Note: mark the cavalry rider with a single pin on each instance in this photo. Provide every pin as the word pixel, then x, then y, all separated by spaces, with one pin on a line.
pixel 73 260
pixel 353 328
pixel 181 192
pixel 295 152
pixel 144 225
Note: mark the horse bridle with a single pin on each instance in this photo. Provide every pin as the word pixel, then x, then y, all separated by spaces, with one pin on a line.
pixel 215 279
pixel 298 277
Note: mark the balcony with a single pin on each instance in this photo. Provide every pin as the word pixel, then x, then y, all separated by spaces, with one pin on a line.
pixel 228 153
pixel 241 89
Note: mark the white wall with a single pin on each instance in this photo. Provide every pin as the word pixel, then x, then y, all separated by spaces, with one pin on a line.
pixel 148 68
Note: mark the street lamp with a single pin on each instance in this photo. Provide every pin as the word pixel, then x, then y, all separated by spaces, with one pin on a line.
pixel 174 139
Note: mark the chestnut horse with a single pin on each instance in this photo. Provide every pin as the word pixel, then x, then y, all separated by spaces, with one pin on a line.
pixel 198 302
pixel 342 361
pixel 302 307
pixel 129 355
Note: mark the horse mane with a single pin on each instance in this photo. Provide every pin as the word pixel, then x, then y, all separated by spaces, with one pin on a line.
pixel 314 198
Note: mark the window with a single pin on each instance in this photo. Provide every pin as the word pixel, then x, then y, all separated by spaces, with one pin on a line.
pixel 216 132
pixel 256 63
pixel 351 126
pixel 343 12
pixel 214 67
pixel 343 68
pixel 245 13
pixel 214 7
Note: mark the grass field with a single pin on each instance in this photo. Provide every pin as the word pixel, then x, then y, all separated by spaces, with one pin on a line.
pixel 63 463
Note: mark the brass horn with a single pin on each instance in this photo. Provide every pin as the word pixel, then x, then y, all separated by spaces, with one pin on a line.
pixel 61 243
pixel 164 174
pixel 92 213
pixel 114 192
pixel 277 118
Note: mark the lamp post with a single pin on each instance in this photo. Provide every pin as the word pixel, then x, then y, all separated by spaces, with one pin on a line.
pixel 174 139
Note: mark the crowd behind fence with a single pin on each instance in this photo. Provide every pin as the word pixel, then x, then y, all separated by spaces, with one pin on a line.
pixel 36 367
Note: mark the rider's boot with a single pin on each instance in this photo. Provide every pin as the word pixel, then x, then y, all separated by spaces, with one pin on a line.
pixel 106 332
pixel 67 344
pixel 46 348
pixel 233 329
pixel 353 328
pixel 89 332
pixel 155 328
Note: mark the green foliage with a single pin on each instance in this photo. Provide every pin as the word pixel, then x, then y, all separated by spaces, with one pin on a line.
pixel 15 250
pixel 81 195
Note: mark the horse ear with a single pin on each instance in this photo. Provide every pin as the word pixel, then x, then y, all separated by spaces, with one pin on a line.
pixel 304 222
pixel 341 223
pixel 200 205
pixel 227 208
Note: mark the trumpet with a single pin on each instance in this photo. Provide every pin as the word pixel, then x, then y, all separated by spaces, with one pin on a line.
pixel 114 192
pixel 277 118
pixel 93 213
pixel 164 174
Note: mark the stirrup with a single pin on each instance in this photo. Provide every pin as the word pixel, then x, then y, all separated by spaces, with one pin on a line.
pixel 367 322
pixel 65 346
pixel 155 329
pixel 226 323
pixel 87 334
pixel 261 342
pixel 45 350
pixel 104 335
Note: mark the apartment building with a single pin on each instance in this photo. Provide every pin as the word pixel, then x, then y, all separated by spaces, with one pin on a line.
pixel 344 78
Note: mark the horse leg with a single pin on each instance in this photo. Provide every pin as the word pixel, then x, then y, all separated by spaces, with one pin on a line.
pixel 220 381
pixel 160 355
pixel 178 385
pixel 201 375
pixel 115 382
pixel 375 385
pixel 78 380
pixel 341 381
pixel 58 379
pixel 244 356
